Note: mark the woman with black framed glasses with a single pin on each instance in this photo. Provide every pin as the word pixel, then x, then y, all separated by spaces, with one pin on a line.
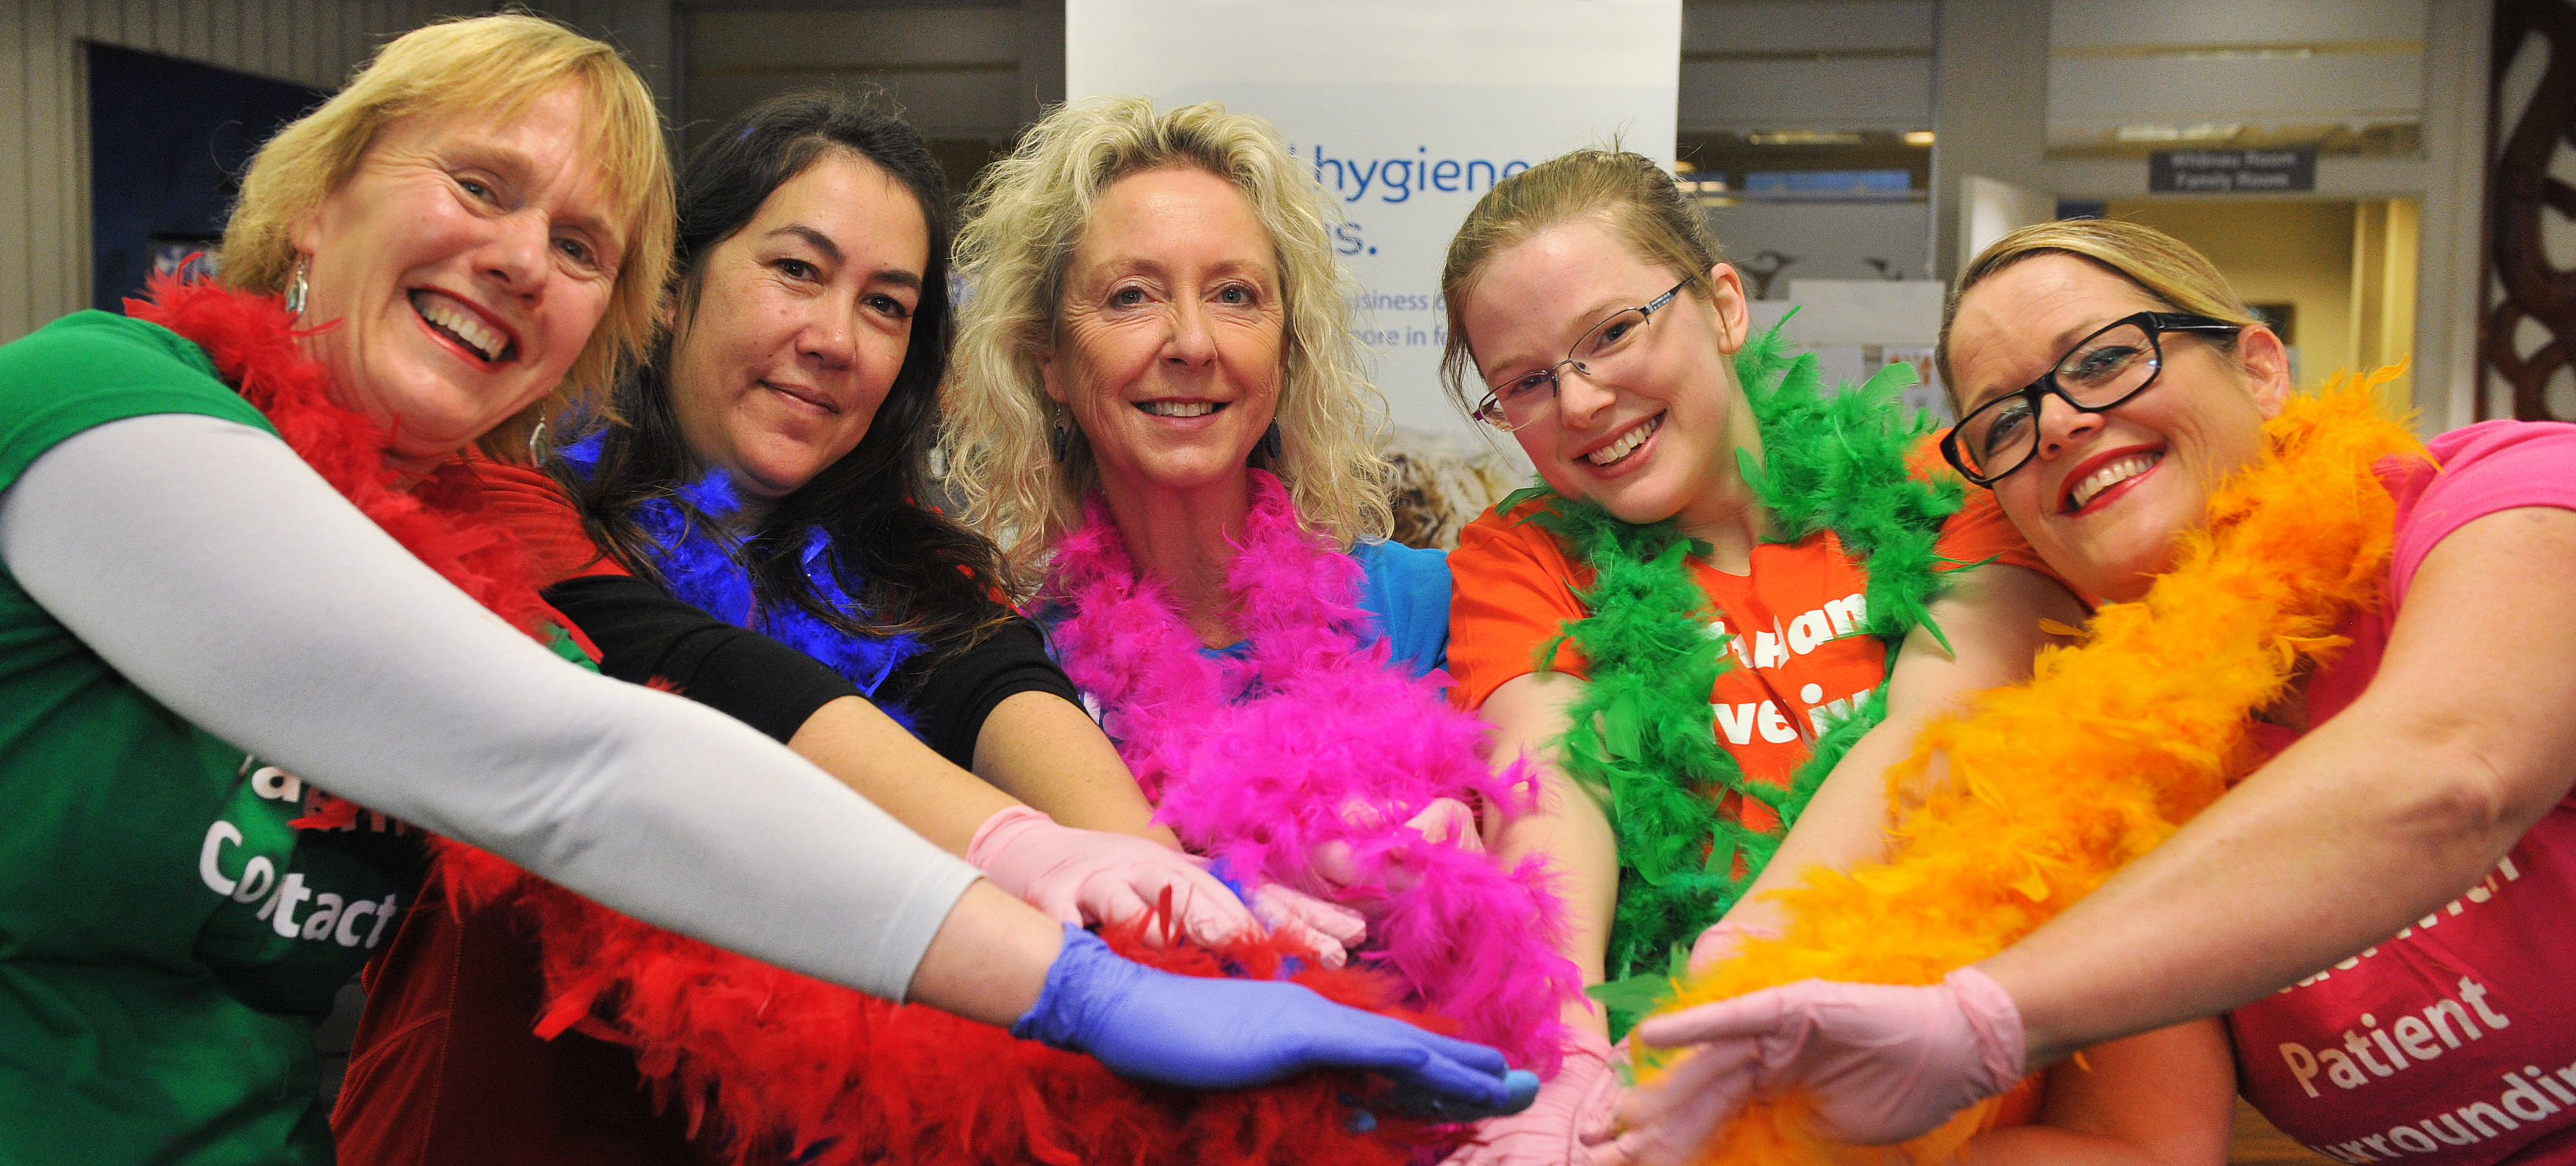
pixel 2097 374
pixel 2376 895
pixel 1694 618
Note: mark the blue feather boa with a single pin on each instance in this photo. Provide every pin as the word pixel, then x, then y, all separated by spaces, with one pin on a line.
pixel 705 571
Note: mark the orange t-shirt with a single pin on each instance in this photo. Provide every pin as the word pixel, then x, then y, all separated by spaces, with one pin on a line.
pixel 1798 662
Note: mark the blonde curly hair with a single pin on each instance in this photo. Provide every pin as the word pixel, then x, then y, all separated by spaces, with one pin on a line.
pixel 496 67
pixel 1022 222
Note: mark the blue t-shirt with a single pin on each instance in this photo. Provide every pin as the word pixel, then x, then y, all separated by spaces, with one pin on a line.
pixel 1406 590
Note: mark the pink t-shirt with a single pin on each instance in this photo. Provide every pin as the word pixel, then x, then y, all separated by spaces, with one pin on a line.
pixel 2453 1042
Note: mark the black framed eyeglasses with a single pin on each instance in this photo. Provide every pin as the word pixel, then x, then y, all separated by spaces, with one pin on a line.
pixel 2099 373
pixel 1519 401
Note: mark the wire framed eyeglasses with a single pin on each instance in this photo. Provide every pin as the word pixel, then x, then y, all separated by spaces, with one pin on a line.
pixel 1515 403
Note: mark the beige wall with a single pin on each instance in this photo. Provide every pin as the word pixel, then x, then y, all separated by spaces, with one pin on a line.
pixel 2274 251
pixel 2386 236
pixel 647 31
pixel 2349 266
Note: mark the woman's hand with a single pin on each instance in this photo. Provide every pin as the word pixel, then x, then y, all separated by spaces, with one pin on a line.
pixel 1581 1097
pixel 1233 1034
pixel 1329 930
pixel 1089 876
pixel 1444 820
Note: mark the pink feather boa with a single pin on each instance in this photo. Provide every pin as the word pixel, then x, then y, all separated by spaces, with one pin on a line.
pixel 1331 744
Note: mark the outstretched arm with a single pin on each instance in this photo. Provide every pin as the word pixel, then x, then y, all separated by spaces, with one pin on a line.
pixel 645 634
pixel 1568 830
pixel 1040 746
pixel 2461 742
pixel 1048 753
pixel 218 573
pixel 1566 827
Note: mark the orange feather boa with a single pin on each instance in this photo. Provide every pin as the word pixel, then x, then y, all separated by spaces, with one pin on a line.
pixel 2056 783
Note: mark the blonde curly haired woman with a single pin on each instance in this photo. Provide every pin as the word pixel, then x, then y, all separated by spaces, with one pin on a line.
pixel 1158 405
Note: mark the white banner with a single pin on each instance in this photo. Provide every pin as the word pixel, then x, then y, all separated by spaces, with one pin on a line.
pixel 1408 112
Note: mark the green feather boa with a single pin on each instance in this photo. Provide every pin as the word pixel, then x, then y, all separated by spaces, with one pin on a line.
pixel 1644 740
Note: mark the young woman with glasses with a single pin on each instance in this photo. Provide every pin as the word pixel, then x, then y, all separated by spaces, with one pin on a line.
pixel 2384 861
pixel 1159 407
pixel 1702 611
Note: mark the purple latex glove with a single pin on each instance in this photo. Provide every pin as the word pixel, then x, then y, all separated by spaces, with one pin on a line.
pixel 1233 1034
pixel 1881 1063
pixel 1582 1096
pixel 1091 876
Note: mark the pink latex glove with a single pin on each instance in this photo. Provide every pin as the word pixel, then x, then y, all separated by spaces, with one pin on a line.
pixel 1329 930
pixel 1091 876
pixel 1881 1063
pixel 1582 1096
pixel 1444 820
pixel 1719 942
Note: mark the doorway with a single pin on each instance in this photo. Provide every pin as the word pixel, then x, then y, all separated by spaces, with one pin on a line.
pixel 2336 277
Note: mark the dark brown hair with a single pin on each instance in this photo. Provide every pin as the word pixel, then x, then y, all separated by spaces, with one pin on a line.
pixel 908 566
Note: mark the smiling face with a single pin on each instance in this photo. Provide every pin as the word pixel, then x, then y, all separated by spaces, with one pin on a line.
pixel 460 270
pixel 800 322
pixel 2105 495
pixel 1651 438
pixel 1169 340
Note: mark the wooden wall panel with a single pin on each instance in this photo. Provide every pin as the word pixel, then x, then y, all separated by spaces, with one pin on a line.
pixel 2527 337
pixel 15 244
pixel 54 206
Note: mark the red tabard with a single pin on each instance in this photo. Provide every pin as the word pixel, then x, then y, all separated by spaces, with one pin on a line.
pixel 2454 1041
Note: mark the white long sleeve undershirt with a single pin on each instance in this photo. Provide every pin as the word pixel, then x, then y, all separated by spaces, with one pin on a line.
pixel 206 563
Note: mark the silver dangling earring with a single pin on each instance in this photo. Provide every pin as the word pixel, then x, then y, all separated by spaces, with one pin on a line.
pixel 1058 438
pixel 537 445
pixel 296 291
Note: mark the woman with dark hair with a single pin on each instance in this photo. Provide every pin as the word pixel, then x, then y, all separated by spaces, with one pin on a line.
pixel 743 528
pixel 771 461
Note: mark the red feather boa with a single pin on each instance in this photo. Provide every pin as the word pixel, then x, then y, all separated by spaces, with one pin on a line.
pixel 788 1068
pixel 783 1067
